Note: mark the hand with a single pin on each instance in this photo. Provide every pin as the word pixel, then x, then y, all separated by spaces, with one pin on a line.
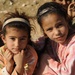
pixel 20 61
pixel 71 9
pixel 9 60
pixel 19 58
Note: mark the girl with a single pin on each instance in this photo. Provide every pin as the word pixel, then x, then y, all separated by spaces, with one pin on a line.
pixel 17 57
pixel 60 59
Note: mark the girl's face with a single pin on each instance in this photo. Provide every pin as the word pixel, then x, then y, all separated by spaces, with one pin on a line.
pixel 55 27
pixel 15 39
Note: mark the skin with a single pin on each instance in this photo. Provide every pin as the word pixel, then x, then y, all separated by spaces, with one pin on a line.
pixel 71 9
pixel 55 27
pixel 16 41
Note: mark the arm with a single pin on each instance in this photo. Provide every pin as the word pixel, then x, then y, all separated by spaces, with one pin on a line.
pixel 20 60
pixel 3 70
pixel 6 62
pixel 32 61
pixel 25 62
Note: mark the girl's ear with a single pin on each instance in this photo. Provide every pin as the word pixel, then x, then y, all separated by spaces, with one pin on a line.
pixel 3 38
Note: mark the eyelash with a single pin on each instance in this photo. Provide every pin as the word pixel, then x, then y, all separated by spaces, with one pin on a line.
pixel 50 29
pixel 59 25
pixel 20 39
pixel 12 38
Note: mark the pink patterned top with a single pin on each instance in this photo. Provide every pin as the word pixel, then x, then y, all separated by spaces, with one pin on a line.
pixel 66 55
pixel 29 66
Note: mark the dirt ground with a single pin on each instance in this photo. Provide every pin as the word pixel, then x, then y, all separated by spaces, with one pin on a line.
pixel 28 6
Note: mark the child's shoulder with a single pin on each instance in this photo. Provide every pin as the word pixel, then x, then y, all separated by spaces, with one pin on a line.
pixel 29 47
pixel 32 50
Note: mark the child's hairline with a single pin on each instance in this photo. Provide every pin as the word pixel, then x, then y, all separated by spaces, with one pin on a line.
pixel 24 28
pixel 39 19
pixel 14 20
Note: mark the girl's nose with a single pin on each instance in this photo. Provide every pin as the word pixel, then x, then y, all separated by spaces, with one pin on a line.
pixel 17 43
pixel 56 31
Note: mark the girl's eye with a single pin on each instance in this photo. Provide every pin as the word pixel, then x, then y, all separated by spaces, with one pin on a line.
pixel 49 29
pixel 12 39
pixel 60 0
pixel 23 39
pixel 59 25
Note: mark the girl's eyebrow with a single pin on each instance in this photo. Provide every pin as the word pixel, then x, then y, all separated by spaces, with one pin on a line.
pixel 59 21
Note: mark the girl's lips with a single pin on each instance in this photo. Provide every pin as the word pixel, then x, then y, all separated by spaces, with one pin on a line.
pixel 16 51
pixel 60 38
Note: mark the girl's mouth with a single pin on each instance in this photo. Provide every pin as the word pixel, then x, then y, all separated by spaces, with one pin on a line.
pixel 60 38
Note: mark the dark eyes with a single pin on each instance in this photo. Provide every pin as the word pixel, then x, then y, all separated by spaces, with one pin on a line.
pixel 59 25
pixel 19 39
pixel 49 29
pixel 12 39
pixel 22 38
pixel 60 0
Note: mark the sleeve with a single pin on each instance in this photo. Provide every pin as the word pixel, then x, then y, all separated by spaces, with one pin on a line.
pixel 67 66
pixel 4 72
pixel 16 73
pixel 32 62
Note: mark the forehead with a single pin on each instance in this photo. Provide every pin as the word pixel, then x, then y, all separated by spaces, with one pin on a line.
pixel 52 19
pixel 15 31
